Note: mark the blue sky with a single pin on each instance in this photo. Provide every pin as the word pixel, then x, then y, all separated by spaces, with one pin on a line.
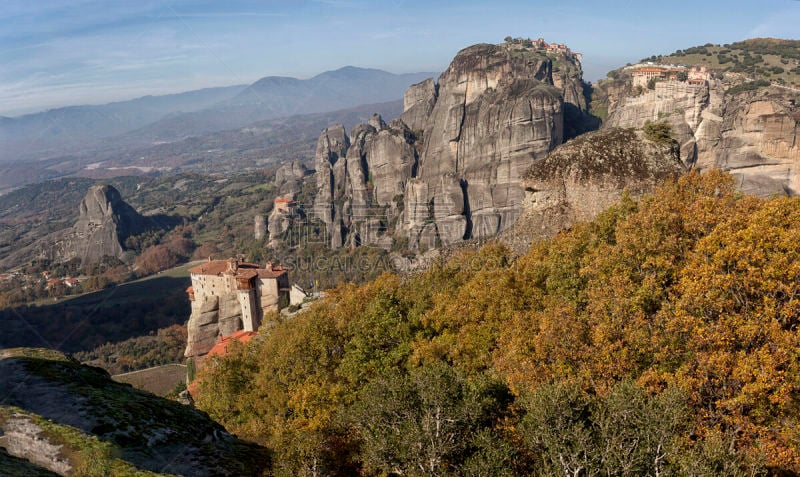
pixel 58 53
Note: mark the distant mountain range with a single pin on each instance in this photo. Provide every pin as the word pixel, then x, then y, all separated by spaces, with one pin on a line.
pixel 72 130
pixel 72 126
pixel 257 145
pixel 277 96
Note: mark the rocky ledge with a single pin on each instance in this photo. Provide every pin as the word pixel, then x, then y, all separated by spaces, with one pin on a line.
pixel 586 175
pixel 70 419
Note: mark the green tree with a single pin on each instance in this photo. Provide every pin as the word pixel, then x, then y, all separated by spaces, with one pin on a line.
pixel 636 431
pixel 557 428
pixel 422 423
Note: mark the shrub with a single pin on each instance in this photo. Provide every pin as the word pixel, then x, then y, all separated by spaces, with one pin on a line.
pixel 660 132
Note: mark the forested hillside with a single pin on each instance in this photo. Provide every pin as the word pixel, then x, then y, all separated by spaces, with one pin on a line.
pixel 659 339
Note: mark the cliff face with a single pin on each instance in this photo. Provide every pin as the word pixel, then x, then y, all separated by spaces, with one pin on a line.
pixel 759 142
pixel 752 134
pixel 497 111
pixel 214 317
pixel 450 168
pixel 74 420
pixel 105 221
pixel 693 111
pixel 583 177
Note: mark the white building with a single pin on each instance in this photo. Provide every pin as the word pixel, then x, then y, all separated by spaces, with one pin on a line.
pixel 259 290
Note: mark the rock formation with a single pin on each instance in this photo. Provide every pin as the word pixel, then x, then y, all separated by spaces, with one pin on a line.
pixel 288 177
pixel 289 180
pixel 586 175
pixel 105 221
pixel 259 227
pixel 418 103
pixel 449 169
pixel 61 415
pixel 759 143
pixel 752 134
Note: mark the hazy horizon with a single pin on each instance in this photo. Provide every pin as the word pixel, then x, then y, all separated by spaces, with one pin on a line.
pixel 67 53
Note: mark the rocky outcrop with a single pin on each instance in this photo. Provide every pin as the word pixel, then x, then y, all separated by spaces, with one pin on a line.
pixel 330 165
pixel 449 169
pixel 418 103
pixel 693 111
pixel 103 224
pixel 213 317
pixel 289 180
pixel 64 416
pixel 277 224
pixel 25 439
pixel 391 160
pixel 288 177
pixel 751 134
pixel 585 176
pixel 759 143
pixel 259 227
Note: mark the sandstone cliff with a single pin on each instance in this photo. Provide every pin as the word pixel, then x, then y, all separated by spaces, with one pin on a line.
pixel 213 318
pixel 288 177
pixel 581 178
pixel 753 134
pixel 74 420
pixel 449 169
pixel 105 221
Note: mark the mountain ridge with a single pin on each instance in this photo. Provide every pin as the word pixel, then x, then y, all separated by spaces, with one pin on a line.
pixel 71 129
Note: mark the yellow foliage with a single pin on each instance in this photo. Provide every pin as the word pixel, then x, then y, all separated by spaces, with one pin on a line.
pixel 694 287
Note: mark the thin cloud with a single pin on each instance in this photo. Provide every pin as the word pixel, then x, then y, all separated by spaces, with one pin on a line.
pixel 783 24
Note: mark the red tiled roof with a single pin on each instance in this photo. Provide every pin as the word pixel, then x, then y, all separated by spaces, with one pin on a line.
pixel 274 273
pixel 247 274
pixel 245 270
pixel 221 348
pixel 283 200
pixel 214 267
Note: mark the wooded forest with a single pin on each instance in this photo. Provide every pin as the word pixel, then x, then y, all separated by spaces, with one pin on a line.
pixel 659 339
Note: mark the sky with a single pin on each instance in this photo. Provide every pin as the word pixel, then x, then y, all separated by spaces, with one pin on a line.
pixel 58 53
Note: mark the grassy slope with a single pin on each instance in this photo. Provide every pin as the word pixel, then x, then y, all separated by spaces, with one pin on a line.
pixel 115 421
pixel 159 380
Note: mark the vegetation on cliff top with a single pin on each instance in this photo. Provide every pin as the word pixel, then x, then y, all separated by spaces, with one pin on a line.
pixel 760 58
pixel 660 338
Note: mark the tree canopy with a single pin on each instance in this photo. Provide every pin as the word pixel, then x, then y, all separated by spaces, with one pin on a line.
pixel 659 339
